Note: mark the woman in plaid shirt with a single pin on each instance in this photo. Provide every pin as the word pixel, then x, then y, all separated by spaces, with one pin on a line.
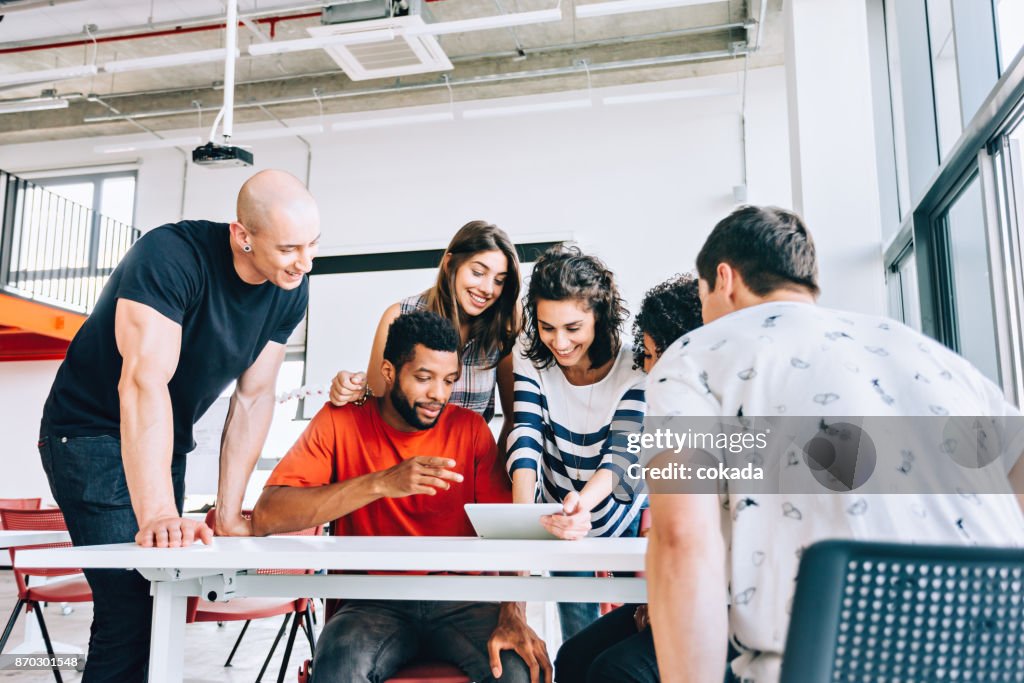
pixel 477 288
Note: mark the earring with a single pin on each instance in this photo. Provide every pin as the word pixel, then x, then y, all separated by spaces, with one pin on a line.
pixel 246 248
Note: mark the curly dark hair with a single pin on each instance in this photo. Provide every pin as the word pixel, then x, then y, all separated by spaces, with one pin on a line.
pixel 418 327
pixel 667 312
pixel 564 272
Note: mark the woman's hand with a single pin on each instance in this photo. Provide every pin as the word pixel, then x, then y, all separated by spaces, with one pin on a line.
pixel 573 523
pixel 347 387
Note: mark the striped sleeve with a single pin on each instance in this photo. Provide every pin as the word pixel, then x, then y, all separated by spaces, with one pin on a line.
pixel 526 440
pixel 627 419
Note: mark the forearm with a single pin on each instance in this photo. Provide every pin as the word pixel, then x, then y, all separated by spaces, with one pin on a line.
pixel 688 610
pixel 282 509
pixel 245 432
pixel 147 435
pixel 524 486
pixel 597 489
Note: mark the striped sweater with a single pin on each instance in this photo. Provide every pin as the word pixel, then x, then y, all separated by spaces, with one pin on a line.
pixel 566 433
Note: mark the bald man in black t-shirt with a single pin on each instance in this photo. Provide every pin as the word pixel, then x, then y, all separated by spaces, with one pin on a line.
pixel 192 307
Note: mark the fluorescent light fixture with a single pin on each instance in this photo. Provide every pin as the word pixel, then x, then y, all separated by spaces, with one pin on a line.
pixel 62 74
pixel 270 133
pixel 32 104
pixel 491 112
pixel 160 61
pixel 484 23
pixel 320 42
pixel 667 96
pixel 604 9
pixel 393 121
pixel 158 143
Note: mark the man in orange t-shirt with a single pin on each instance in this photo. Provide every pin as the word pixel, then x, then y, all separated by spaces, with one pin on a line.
pixel 403 465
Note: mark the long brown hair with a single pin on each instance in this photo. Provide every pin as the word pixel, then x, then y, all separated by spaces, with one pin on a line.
pixel 496 328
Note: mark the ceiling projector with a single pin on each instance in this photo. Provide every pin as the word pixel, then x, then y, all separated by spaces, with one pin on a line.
pixel 221 156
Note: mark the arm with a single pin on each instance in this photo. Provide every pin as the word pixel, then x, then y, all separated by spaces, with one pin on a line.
pixel 506 396
pixel 525 441
pixel 1017 481
pixel 513 633
pixel 291 508
pixel 374 378
pixel 245 431
pixel 686 587
pixel 149 344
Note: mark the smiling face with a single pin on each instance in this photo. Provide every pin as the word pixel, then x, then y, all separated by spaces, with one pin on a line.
pixel 480 280
pixel 422 386
pixel 567 329
pixel 283 254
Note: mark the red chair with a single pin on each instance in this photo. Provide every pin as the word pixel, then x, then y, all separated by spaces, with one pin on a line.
pixel 71 590
pixel 247 609
pixel 18 504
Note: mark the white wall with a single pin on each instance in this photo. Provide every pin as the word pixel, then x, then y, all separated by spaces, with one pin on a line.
pixel 23 389
pixel 640 185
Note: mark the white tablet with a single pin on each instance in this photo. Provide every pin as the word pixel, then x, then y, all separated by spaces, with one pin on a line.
pixel 511 520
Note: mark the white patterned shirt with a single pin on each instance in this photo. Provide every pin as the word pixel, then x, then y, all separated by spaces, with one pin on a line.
pixel 788 358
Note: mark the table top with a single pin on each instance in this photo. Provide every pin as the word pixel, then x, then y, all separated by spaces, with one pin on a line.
pixel 10 538
pixel 359 553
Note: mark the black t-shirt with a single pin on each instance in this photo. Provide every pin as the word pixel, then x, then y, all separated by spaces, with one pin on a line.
pixel 185 272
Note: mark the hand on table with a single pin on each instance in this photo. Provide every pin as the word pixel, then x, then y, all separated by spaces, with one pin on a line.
pixel 172 531
pixel 233 525
pixel 573 523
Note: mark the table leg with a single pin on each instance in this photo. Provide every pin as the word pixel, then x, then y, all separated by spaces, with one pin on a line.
pixel 167 642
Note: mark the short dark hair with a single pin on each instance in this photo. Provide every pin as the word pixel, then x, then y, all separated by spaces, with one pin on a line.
pixel 770 247
pixel 418 327
pixel 561 273
pixel 668 311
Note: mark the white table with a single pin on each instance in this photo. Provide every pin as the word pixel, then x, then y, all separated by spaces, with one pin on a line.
pixel 10 538
pixel 226 569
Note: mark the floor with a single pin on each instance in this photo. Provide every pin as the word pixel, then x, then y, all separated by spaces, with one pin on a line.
pixel 206 645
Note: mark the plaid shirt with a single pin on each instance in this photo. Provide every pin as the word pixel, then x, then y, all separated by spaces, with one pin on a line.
pixel 475 388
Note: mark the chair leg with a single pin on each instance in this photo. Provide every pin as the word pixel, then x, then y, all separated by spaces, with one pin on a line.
pixel 237 642
pixel 270 655
pixel 288 648
pixel 10 623
pixel 309 630
pixel 46 639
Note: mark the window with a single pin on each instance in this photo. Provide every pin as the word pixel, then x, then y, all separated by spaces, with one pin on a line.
pixel 972 331
pixel 1010 21
pixel 942 45
pixel 904 302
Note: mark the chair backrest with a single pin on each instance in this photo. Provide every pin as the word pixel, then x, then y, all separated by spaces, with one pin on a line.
pixel 18 504
pixel 48 519
pixel 882 611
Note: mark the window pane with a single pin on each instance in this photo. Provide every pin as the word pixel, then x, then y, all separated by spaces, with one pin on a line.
pixel 947 90
pixel 972 293
pixel 117 204
pixel 1010 18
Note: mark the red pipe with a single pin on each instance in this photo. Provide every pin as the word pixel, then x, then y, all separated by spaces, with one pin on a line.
pixel 155 34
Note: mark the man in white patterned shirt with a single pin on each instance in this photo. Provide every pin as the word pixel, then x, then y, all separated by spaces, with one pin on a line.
pixel 723 567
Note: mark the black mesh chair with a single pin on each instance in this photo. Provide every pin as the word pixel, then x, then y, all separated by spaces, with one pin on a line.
pixel 893 613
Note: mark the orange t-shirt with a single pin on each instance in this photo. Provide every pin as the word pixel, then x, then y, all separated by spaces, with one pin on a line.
pixel 351 441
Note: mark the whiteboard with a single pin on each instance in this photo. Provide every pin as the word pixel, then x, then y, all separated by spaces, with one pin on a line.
pixel 344 309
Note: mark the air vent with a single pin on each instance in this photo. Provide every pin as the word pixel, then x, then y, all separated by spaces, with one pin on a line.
pixel 403 55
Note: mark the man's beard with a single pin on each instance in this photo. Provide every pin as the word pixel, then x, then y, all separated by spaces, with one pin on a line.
pixel 407 409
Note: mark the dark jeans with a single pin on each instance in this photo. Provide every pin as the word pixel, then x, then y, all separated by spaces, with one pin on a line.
pixel 87 480
pixel 610 650
pixel 370 640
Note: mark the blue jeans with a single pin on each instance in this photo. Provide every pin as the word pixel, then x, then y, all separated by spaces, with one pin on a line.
pixel 610 650
pixel 87 480
pixel 370 640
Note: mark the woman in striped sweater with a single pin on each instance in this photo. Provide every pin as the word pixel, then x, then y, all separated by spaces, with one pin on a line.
pixel 576 396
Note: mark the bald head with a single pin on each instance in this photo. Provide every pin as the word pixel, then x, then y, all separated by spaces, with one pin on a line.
pixel 275 199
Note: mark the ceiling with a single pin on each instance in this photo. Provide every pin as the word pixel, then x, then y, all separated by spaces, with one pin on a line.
pixel 569 54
